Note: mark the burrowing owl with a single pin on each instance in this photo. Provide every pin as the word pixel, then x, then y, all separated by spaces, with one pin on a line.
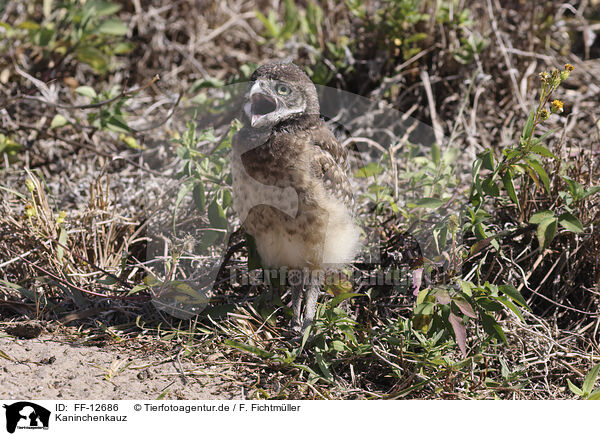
pixel 290 182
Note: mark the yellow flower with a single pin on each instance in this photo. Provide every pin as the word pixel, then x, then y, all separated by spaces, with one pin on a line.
pixel 565 73
pixel 557 106
pixel 30 210
pixel 30 185
pixel 61 217
pixel 544 114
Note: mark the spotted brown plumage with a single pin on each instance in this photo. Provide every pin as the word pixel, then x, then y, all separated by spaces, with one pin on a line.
pixel 290 182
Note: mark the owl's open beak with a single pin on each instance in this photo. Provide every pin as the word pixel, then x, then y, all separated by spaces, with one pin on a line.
pixel 261 103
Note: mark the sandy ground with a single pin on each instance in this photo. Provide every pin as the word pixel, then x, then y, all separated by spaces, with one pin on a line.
pixel 54 367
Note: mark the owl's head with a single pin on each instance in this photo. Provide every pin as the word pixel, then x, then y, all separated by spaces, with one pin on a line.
pixel 279 92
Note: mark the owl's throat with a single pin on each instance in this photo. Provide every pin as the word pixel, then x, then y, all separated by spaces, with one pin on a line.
pixel 263 104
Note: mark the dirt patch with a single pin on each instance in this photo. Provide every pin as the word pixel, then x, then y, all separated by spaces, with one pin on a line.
pixel 55 367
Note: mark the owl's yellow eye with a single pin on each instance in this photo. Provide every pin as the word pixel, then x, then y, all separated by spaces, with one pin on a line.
pixel 283 89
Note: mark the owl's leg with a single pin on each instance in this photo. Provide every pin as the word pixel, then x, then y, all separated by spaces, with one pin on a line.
pixel 295 280
pixel 296 307
pixel 310 304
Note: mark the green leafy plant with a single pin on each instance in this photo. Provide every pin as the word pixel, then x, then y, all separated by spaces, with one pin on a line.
pixel 524 161
pixel 274 29
pixel 206 176
pixel 110 114
pixel 306 24
pixel 401 27
pixel 88 31
pixel 9 147
pixel 332 342
pixel 391 23
pixel 586 391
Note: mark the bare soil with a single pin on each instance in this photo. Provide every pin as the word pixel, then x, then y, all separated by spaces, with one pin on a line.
pixel 54 366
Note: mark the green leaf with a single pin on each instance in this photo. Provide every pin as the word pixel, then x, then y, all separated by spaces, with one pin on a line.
pixel 227 198
pixel 422 316
pixel 590 379
pixel 93 57
pixel 490 187
pixel 112 27
pixel 86 91
pixel 62 242
pixel 122 48
pixel 540 216
pixel 29 25
pixel 476 168
pixel 465 287
pixel 435 154
pixel 58 121
pixel 424 308
pixel 254 261
pixel 102 8
pixel 130 141
pixel 546 231
pixel 305 337
pixel 570 222
pixel 507 181
pixel 539 169
pixel 528 129
pixel 575 188
pixel 210 82
pixel 514 295
pixel 108 281
pixel 513 307
pixel 43 37
pixel 492 327
pixel 490 305
pixel 574 388
pixel 369 170
pixel 338 346
pixel 335 301
pixel 117 123
pixel 543 151
pixel 199 196
pixel 216 215
pixel 249 349
pixel 429 203
pixel 479 231
pixel 441 295
pixel 538 141
pixel 594 395
pixel 323 366
pixel 271 26
pixel 137 288
pixel 487 159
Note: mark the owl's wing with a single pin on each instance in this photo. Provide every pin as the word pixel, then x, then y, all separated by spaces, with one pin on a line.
pixel 331 165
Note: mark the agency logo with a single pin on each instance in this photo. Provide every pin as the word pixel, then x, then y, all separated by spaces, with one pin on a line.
pixel 26 415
